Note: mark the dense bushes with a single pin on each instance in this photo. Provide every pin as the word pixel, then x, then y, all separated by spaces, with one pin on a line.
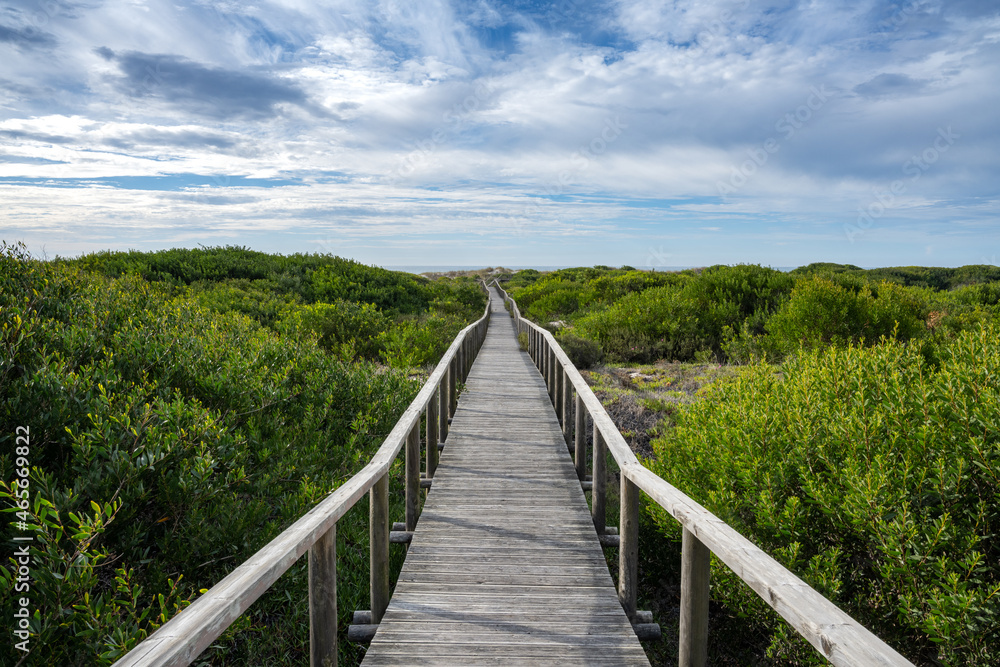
pixel 870 473
pixel 822 313
pixel 745 312
pixel 243 276
pixel 582 352
pixel 349 330
pixel 689 316
pixel 932 277
pixel 868 461
pixel 643 326
pixel 837 311
pixel 170 440
pixel 355 311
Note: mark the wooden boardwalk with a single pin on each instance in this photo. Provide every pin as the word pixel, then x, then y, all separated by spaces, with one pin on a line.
pixel 505 566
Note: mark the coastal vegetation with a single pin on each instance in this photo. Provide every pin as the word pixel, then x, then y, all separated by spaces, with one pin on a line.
pixel 184 407
pixel 846 421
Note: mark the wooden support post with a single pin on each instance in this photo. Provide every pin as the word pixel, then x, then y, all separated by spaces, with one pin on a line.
pixel 467 357
pixel 323 600
pixel 452 386
pixel 599 491
pixel 628 552
pixel 567 407
pixel 413 477
pixel 560 389
pixel 548 366
pixel 460 362
pixel 695 567
pixel 378 540
pixel 557 400
pixel 443 401
pixel 553 367
pixel 543 361
pixel 433 425
pixel 580 438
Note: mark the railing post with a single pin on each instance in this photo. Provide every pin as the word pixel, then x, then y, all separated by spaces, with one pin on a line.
pixel 553 382
pixel 466 358
pixel 599 491
pixel 378 540
pixel 567 407
pixel 695 567
pixel 443 402
pixel 433 424
pixel 452 385
pixel 323 600
pixel 413 476
pixel 580 438
pixel 543 354
pixel 460 362
pixel 557 399
pixel 628 549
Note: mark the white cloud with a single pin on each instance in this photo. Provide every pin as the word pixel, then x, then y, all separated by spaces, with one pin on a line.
pixel 395 118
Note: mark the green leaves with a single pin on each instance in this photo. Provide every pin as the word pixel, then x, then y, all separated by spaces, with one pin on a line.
pixel 169 441
pixel 871 474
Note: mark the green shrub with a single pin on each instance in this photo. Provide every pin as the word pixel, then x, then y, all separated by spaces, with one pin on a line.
pixel 349 330
pixel 388 290
pixel 256 299
pixel 582 352
pixel 644 326
pixel 873 475
pixel 169 442
pixel 610 288
pixel 418 342
pixel 821 312
pixel 552 299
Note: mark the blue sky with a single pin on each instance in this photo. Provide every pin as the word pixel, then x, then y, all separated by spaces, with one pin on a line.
pixel 576 132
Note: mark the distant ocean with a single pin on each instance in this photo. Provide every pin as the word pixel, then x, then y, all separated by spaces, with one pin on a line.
pixel 445 269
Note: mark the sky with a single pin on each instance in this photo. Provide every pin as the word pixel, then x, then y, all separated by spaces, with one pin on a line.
pixel 574 132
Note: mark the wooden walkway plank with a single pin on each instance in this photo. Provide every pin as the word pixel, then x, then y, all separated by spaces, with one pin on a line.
pixel 505 566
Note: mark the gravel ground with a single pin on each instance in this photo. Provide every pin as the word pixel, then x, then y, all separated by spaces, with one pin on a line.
pixel 642 399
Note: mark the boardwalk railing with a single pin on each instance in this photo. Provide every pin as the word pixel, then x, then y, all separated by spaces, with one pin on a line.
pixel 184 637
pixel 837 636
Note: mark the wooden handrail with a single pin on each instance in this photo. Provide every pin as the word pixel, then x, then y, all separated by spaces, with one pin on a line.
pixel 185 636
pixel 838 637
